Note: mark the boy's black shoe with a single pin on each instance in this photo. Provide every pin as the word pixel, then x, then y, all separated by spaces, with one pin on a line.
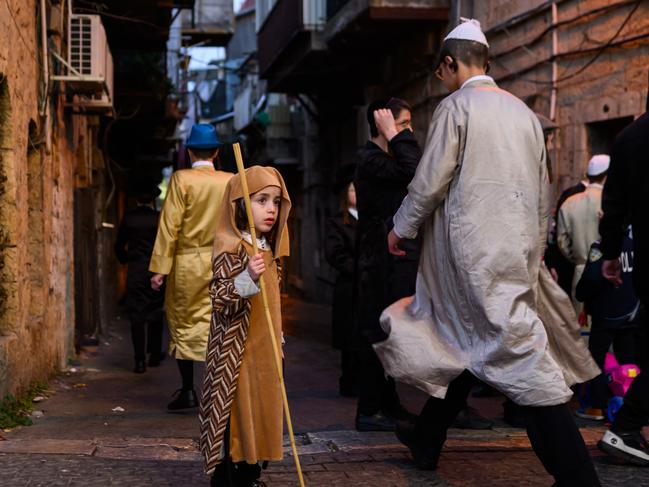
pixel 375 422
pixel 183 400
pixel 140 367
pixel 629 446
pixel 425 457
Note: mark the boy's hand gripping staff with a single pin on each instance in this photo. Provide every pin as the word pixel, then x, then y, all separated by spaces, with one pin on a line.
pixel 269 320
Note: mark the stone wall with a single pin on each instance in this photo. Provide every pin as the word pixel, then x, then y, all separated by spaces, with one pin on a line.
pixel 590 107
pixel 592 103
pixel 36 212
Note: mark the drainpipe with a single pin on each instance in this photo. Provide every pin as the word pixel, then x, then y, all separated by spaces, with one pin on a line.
pixel 46 77
pixel 555 52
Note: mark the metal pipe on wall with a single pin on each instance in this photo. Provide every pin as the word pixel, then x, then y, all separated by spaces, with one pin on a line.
pixel 46 77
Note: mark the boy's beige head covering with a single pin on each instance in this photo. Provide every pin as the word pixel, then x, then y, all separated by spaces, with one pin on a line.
pixel 228 236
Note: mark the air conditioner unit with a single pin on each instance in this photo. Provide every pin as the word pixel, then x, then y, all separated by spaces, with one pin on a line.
pixel 89 63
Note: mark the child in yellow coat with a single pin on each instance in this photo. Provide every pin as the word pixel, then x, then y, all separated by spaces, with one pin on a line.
pixel 241 415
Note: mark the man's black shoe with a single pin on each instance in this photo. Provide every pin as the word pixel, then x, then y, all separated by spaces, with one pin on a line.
pixel 140 367
pixel 183 400
pixel 629 446
pixel 470 419
pixel 424 457
pixel 375 422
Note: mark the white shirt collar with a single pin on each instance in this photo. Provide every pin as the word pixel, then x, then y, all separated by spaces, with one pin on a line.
pixel 478 77
pixel 202 164
pixel 262 243
pixel 353 212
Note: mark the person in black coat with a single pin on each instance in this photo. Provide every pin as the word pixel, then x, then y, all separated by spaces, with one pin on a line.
pixel 385 167
pixel 134 245
pixel 340 251
pixel 624 201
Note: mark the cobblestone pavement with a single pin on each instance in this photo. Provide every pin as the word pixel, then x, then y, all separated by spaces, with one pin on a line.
pixel 371 469
pixel 102 425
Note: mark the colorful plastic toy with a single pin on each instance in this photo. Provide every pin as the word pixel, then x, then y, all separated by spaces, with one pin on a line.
pixel 619 378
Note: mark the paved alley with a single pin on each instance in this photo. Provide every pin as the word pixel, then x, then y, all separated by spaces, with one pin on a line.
pixel 103 425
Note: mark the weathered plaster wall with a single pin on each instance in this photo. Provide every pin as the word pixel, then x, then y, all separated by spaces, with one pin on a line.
pixel 36 190
pixel 612 87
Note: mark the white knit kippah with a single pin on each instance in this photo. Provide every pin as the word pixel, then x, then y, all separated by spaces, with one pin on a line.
pixel 598 164
pixel 468 30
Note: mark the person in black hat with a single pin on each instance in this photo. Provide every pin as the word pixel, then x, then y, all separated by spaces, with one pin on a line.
pixel 133 247
pixel 340 251
pixel 182 255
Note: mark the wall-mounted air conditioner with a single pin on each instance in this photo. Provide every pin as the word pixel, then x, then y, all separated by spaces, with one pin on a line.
pixel 89 63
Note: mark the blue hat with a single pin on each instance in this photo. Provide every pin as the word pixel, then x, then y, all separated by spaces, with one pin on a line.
pixel 202 136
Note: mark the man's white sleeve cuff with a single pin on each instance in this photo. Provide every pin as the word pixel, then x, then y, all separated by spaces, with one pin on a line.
pixel 244 285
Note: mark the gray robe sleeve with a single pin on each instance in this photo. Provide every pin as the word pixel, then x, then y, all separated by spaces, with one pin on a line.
pixel 435 172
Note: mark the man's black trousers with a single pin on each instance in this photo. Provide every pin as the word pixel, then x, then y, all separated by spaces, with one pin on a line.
pixel 146 333
pixel 377 393
pixel 552 431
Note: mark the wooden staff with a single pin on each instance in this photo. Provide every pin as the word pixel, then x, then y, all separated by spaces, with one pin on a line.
pixel 269 319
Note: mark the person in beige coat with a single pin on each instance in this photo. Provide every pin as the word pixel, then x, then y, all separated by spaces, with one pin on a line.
pixel 182 255
pixel 485 305
pixel 578 220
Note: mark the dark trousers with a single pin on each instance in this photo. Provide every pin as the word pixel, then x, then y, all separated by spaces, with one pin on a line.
pixel 146 335
pixel 377 393
pixel 634 413
pixel 349 370
pixel 624 346
pixel 186 369
pixel 552 431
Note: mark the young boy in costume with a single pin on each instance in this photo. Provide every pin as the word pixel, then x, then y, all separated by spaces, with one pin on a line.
pixel 241 407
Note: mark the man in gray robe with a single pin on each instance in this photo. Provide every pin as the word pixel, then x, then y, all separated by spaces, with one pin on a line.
pixel 485 306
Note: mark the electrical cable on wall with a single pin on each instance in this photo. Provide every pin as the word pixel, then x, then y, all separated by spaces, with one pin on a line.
pixel 599 51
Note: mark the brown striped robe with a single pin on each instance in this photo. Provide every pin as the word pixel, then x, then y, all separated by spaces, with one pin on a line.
pixel 241 386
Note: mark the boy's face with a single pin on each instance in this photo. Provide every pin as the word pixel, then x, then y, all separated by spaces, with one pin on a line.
pixel 403 121
pixel 265 208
